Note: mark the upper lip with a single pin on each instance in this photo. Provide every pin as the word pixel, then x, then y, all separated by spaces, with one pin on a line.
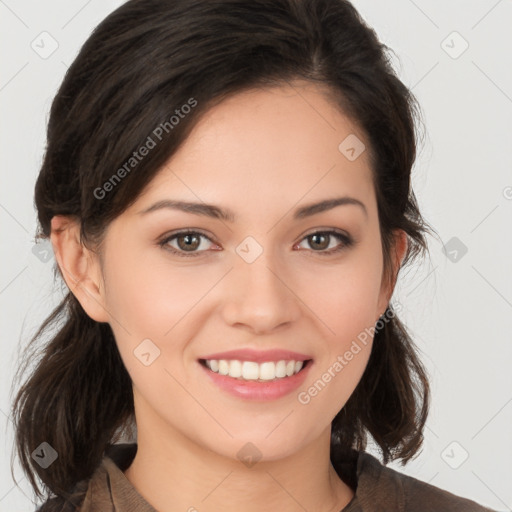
pixel 259 356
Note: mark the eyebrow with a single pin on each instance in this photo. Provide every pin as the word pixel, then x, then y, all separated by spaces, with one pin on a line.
pixel 210 210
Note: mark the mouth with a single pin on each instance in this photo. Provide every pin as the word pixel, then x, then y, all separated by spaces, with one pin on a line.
pixel 241 379
pixel 251 371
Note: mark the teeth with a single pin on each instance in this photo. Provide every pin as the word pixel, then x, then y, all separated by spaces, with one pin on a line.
pixel 250 370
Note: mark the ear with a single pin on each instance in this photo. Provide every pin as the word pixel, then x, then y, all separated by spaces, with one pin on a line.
pixel 79 267
pixel 398 252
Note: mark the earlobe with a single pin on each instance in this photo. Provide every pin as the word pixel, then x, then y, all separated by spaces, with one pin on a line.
pixel 79 267
pixel 401 245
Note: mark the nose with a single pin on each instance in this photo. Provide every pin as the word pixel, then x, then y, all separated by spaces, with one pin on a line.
pixel 259 296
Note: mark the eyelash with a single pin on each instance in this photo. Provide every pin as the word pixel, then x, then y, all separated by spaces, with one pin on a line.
pixel 346 240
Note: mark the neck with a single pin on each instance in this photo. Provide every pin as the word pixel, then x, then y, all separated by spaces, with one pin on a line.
pixel 174 473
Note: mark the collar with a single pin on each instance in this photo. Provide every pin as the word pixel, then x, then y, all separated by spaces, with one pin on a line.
pixel 110 490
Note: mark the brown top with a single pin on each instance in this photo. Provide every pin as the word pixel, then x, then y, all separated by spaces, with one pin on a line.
pixel 377 487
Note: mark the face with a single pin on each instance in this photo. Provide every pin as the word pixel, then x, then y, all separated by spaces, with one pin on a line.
pixel 267 278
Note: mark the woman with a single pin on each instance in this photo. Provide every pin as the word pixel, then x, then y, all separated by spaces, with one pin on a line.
pixel 226 187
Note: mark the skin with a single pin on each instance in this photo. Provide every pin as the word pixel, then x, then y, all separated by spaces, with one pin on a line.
pixel 262 154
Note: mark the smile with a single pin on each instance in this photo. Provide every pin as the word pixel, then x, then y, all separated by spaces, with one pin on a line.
pixel 253 387
pixel 251 370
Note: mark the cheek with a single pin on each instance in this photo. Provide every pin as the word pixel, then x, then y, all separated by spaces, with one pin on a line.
pixel 346 306
pixel 149 298
pixel 156 301
pixel 345 297
pixel 345 302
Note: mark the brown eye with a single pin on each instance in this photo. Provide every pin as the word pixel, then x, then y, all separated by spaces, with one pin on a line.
pixel 186 243
pixel 320 242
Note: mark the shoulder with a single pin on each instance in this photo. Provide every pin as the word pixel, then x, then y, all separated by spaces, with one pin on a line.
pixel 93 495
pixel 107 489
pixel 405 493
pixel 86 492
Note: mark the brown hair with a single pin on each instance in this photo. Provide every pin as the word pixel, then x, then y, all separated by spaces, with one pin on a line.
pixel 145 60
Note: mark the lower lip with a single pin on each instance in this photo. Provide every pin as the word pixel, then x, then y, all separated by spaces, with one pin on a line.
pixel 254 390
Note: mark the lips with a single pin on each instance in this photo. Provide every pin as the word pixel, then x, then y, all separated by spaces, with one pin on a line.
pixel 258 356
pixel 257 390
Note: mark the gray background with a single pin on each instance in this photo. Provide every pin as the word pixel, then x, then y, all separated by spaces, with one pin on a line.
pixel 457 305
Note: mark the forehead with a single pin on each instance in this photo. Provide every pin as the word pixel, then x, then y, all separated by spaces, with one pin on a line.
pixel 280 144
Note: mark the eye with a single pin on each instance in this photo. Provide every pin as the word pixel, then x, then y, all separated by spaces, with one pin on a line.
pixel 190 243
pixel 321 240
pixel 187 243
